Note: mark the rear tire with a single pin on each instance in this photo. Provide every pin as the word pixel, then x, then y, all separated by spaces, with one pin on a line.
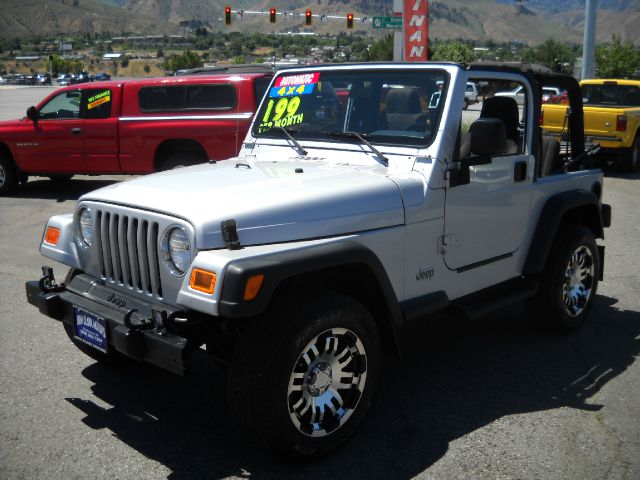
pixel 569 282
pixel 8 175
pixel 302 379
pixel 180 160
pixel 631 162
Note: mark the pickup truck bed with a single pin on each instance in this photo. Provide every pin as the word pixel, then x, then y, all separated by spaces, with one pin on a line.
pixel 611 119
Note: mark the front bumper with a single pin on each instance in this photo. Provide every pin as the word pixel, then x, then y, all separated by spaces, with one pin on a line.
pixel 138 329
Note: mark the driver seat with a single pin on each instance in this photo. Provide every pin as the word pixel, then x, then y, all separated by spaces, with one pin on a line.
pixel 403 109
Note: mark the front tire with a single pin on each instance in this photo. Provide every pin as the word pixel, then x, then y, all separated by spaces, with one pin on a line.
pixel 302 379
pixel 8 175
pixel 569 282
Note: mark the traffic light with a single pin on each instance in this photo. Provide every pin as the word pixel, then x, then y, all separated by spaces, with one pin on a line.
pixel 349 20
pixel 307 17
pixel 227 15
pixel 272 15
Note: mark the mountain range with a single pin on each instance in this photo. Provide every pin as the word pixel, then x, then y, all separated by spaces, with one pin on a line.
pixel 529 21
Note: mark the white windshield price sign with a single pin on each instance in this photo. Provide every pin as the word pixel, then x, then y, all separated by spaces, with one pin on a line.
pixel 393 23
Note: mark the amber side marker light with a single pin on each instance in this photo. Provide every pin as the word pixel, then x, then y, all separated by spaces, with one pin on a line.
pixel 252 287
pixel 202 281
pixel 52 235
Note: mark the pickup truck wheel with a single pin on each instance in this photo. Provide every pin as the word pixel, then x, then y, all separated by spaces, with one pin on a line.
pixel 8 176
pixel 632 160
pixel 302 380
pixel 465 104
pixel 180 160
pixel 569 283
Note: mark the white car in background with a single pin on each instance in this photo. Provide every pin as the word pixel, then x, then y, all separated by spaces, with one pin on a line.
pixel 519 94
pixel 470 95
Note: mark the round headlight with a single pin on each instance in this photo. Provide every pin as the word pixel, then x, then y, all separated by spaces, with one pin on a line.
pixel 84 230
pixel 179 250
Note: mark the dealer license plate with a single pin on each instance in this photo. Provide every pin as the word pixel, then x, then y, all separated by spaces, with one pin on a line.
pixel 90 329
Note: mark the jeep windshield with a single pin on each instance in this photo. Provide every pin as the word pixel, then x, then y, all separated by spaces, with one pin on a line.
pixel 392 107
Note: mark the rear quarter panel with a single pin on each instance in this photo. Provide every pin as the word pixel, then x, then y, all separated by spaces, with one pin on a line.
pixel 219 132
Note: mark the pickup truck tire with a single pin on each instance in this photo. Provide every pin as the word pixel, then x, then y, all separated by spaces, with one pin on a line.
pixel 632 157
pixel 8 175
pixel 569 282
pixel 180 160
pixel 465 104
pixel 302 379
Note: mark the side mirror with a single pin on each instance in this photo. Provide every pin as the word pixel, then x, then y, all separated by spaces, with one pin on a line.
pixel 488 137
pixel 32 114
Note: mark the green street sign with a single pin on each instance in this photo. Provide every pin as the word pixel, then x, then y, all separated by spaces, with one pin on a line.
pixel 394 23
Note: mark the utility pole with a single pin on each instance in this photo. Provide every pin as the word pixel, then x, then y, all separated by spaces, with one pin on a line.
pixel 398 37
pixel 588 45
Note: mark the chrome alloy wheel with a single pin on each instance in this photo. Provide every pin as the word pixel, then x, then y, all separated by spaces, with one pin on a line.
pixel 3 175
pixel 327 382
pixel 577 287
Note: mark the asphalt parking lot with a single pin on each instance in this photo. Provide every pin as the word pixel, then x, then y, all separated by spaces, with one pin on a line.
pixel 488 399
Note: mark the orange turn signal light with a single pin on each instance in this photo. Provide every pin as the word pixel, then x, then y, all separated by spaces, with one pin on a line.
pixel 252 287
pixel 52 235
pixel 202 281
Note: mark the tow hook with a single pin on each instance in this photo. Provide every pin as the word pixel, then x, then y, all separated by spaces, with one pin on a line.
pixel 48 282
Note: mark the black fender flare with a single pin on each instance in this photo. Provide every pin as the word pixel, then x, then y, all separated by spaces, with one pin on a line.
pixel 282 266
pixel 278 267
pixel 550 220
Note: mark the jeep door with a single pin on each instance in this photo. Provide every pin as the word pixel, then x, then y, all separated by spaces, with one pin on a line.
pixel 55 141
pixel 486 216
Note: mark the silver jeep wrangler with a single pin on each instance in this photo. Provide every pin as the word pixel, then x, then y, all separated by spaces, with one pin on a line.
pixel 365 198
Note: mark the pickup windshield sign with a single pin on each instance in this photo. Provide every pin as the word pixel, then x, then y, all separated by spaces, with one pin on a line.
pixel 389 107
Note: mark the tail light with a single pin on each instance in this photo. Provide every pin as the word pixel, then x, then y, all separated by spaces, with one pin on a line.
pixel 621 123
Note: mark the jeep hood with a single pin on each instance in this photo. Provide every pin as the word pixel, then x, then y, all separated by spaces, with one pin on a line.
pixel 270 201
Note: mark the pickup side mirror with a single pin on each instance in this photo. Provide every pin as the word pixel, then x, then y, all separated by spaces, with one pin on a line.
pixel 32 114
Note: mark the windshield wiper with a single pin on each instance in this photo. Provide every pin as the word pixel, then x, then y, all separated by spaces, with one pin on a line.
pixel 360 137
pixel 296 145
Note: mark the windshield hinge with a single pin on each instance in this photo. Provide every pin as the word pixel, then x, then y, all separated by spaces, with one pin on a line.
pixel 447 179
pixel 230 234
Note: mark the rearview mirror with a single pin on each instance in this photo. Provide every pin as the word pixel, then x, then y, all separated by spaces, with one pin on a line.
pixel 32 114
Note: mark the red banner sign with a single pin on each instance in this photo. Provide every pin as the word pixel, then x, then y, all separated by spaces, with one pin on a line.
pixel 416 30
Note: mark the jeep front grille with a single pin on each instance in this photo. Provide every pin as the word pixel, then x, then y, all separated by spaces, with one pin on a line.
pixel 128 251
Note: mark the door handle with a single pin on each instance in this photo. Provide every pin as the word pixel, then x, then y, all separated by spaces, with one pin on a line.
pixel 76 131
pixel 520 171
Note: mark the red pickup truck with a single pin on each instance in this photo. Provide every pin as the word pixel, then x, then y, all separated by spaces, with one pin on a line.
pixel 131 127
